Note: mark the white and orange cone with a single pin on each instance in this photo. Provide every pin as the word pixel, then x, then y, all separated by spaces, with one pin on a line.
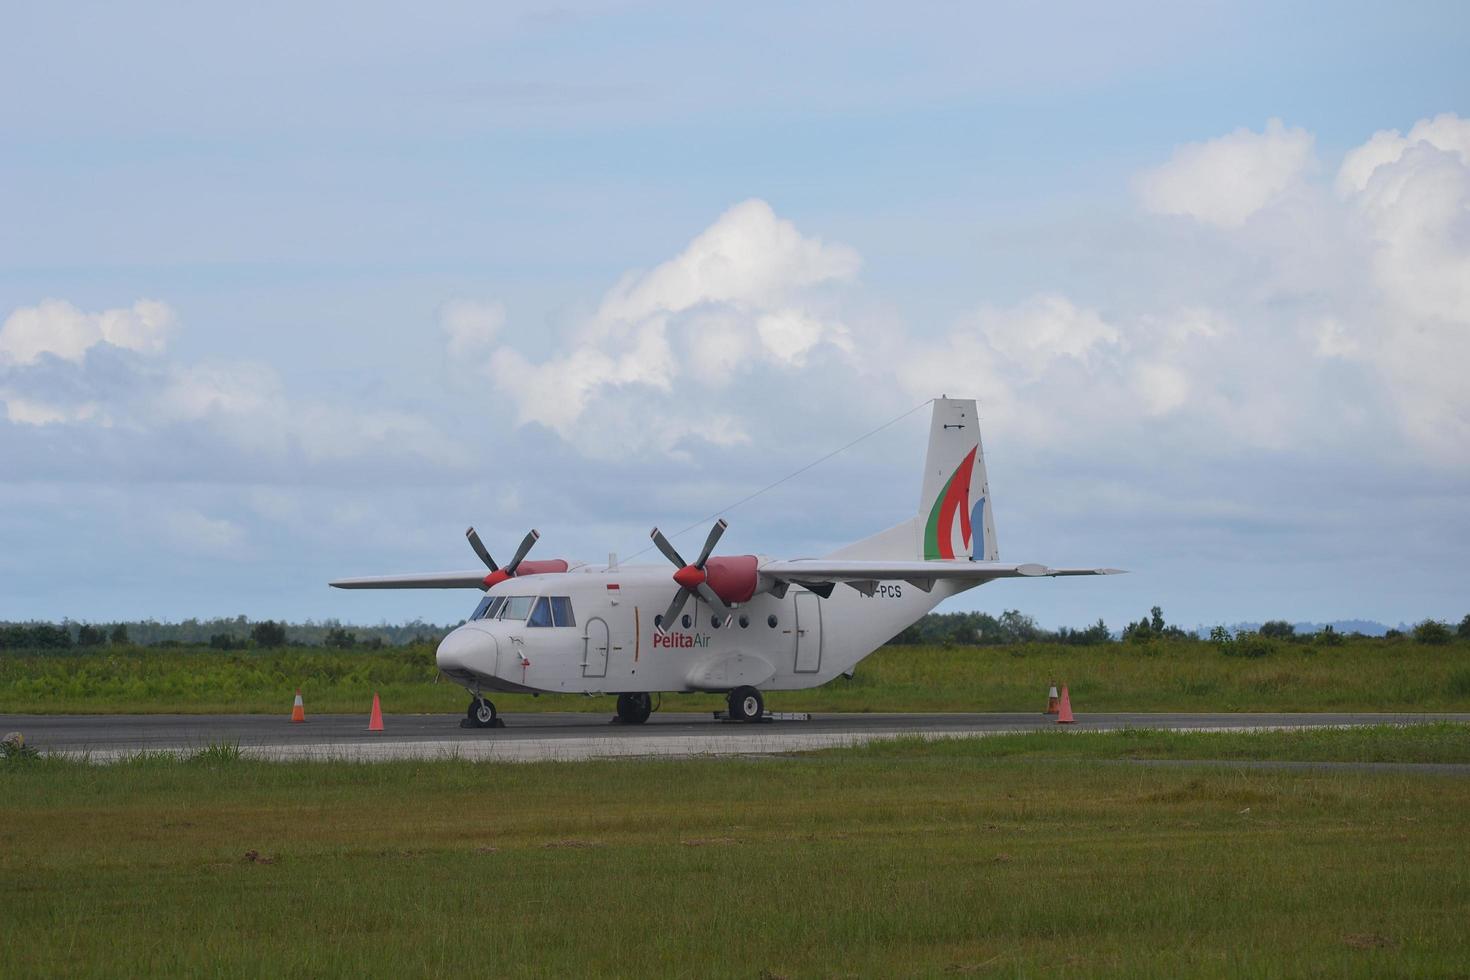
pixel 375 720
pixel 298 710
pixel 1051 701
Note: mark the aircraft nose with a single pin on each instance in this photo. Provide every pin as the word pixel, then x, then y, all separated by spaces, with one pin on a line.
pixel 466 649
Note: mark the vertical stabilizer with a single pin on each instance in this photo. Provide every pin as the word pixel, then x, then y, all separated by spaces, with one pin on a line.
pixel 955 517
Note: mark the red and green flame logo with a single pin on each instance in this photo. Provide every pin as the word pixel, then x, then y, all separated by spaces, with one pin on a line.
pixel 954 500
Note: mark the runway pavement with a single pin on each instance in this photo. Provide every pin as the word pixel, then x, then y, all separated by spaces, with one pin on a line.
pixel 572 736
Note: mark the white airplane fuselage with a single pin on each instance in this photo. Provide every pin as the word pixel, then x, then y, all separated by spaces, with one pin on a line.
pixel 776 644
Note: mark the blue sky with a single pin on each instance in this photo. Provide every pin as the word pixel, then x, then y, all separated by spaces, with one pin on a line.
pixel 288 294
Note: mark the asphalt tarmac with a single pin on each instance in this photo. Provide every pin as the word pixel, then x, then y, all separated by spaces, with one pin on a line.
pixel 569 736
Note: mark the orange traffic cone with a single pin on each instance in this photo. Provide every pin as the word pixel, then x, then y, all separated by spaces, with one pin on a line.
pixel 375 722
pixel 298 710
pixel 1064 711
pixel 1051 701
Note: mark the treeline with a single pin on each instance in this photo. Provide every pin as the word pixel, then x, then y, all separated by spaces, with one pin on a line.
pixel 237 633
pixel 1013 626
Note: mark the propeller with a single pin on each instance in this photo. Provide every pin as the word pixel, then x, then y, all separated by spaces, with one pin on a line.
pixel 691 578
pixel 498 574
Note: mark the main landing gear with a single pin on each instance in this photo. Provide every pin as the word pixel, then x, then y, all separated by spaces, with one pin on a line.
pixel 746 704
pixel 634 709
pixel 482 714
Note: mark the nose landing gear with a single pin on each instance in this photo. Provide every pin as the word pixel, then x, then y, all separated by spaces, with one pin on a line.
pixel 482 714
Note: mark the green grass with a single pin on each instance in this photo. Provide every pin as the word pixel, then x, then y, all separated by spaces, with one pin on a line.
pixel 1421 743
pixel 1363 675
pixel 1001 856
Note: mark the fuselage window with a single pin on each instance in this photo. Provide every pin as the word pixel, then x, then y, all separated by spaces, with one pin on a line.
pixel 516 607
pixel 561 611
pixel 744 621
pixel 714 622
pixel 540 613
pixel 687 621
pixel 771 621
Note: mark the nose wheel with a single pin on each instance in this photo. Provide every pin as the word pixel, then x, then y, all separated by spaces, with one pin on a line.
pixel 482 713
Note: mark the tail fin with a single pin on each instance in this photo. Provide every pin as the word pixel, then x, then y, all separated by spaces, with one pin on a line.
pixel 955 518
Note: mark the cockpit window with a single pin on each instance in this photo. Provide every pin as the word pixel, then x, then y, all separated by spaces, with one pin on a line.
pixel 561 611
pixel 488 607
pixel 540 613
pixel 516 607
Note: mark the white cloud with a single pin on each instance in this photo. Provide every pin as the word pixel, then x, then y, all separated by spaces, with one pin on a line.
pixel 1412 197
pixel 231 406
pixel 749 284
pixel 27 411
pixel 1163 387
pixel 556 392
pixel 57 327
pixel 747 258
pixel 719 346
pixel 1446 131
pixel 1224 181
pixel 1037 332
pixel 471 326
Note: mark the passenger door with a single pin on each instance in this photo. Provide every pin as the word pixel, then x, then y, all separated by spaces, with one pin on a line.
pixel 597 644
pixel 808 633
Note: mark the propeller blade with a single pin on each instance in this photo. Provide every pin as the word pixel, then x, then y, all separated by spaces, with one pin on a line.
pixel 677 606
pixel 666 548
pixel 711 541
pixel 712 597
pixel 526 544
pixel 480 550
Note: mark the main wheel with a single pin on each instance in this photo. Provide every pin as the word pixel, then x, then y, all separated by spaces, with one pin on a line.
pixel 481 713
pixel 634 709
pixel 746 704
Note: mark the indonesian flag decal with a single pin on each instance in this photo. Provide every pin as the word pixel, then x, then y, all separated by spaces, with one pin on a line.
pixel 944 536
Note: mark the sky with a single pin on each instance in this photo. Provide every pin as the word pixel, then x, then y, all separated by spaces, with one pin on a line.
pixel 296 292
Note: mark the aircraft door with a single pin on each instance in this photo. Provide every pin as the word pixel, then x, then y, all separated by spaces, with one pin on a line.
pixel 808 633
pixel 597 643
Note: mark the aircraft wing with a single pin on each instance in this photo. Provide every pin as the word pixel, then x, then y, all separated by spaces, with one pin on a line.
pixel 421 580
pixel 863 575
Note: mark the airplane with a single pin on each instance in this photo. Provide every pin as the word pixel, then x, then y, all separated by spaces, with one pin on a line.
pixel 740 625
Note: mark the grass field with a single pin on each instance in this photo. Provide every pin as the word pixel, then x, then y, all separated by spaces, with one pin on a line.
pixel 1364 675
pixel 1006 856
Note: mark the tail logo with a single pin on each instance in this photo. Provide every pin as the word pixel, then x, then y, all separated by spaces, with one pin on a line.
pixel 940 540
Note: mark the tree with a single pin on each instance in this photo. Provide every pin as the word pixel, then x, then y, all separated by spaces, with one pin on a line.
pixel 90 636
pixel 1432 631
pixel 1156 620
pixel 1464 631
pixel 1278 629
pixel 1329 637
pixel 119 635
pixel 269 634
pixel 340 638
